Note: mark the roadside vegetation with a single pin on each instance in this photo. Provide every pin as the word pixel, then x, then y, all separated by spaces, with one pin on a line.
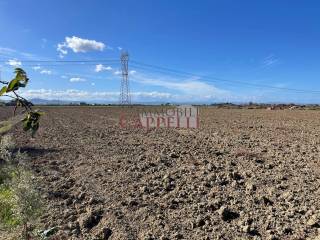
pixel 20 202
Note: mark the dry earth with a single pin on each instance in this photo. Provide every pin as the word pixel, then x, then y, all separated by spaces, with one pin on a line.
pixel 245 174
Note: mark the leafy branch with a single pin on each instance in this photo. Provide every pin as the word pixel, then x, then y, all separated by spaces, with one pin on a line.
pixel 31 120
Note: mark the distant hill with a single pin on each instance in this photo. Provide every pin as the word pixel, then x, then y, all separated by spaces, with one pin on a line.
pixel 39 101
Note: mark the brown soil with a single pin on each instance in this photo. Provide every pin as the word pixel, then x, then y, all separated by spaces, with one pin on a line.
pixel 245 174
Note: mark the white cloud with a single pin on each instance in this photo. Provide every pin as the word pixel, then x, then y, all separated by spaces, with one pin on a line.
pixel 100 68
pixel 119 48
pixel 14 63
pixel 64 76
pixel 132 72
pixel 191 87
pixel 143 96
pixel 36 68
pixel 93 84
pixel 117 72
pixel 44 71
pixel 76 95
pixel 270 61
pixel 77 45
pixel 77 79
pixel 153 95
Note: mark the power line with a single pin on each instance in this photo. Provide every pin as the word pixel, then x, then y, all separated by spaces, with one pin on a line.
pixel 144 66
pixel 216 79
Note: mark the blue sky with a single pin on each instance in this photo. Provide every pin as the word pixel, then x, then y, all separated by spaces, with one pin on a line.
pixel 265 43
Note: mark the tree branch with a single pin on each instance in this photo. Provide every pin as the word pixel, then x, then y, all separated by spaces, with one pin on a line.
pixel 3 82
pixel 23 101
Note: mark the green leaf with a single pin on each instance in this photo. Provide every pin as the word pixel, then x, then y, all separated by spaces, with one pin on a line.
pixel 13 85
pixel 39 112
pixel 36 114
pixel 19 70
pixel 21 76
pixel 25 119
pixel 3 90
pixel 26 125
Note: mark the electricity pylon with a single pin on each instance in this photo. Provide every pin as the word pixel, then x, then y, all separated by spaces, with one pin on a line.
pixel 125 88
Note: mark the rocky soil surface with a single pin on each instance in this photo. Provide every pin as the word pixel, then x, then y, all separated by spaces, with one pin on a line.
pixel 245 174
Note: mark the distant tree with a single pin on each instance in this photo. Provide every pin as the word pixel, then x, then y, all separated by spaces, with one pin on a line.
pixel 32 117
pixel 83 104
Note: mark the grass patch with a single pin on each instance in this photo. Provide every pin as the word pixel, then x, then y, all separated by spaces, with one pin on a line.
pixel 7 208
